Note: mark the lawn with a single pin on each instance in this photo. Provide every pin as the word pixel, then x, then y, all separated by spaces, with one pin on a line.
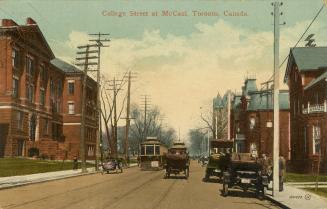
pixel 295 177
pixel 320 191
pixel 21 166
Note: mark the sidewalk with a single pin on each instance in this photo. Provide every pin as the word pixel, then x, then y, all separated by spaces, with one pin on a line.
pixel 14 181
pixel 293 197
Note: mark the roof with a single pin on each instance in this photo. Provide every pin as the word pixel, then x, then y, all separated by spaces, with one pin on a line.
pixel 249 86
pixel 178 145
pixel 317 80
pixel 151 141
pixel 64 66
pixel 310 58
pixel 307 59
pixel 28 28
pixel 262 100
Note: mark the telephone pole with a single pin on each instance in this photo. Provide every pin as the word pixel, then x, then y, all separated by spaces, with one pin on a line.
pixel 146 104
pixel 99 41
pixel 276 13
pixel 128 119
pixel 114 135
pixel 85 62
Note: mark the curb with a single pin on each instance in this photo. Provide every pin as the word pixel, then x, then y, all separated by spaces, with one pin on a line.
pixel 48 180
pixel 54 179
pixel 277 202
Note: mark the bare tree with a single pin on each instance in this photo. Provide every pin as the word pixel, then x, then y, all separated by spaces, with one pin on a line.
pixel 216 120
pixel 109 101
pixel 153 126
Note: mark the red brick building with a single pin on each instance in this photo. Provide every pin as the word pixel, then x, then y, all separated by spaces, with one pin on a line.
pixel 38 113
pixel 252 120
pixel 306 76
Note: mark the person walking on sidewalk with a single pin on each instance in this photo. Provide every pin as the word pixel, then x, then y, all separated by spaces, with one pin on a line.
pixel 75 163
pixel 282 171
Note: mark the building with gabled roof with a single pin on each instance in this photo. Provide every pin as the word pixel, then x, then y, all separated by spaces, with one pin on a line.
pixel 40 98
pixel 306 75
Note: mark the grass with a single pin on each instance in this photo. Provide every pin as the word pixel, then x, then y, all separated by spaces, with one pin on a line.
pixel 296 177
pixel 320 191
pixel 21 166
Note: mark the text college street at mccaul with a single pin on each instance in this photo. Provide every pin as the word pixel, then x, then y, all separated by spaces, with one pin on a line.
pixel 173 13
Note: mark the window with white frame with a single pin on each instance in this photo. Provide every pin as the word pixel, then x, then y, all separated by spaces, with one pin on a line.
pixel 20 120
pixel 316 139
pixel 15 58
pixel 252 123
pixel 15 87
pixel 71 108
pixel 30 93
pixel 30 66
pixel 91 149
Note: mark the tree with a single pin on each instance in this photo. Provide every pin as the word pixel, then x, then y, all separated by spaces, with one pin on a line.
pixel 139 130
pixel 216 119
pixel 110 116
pixel 197 139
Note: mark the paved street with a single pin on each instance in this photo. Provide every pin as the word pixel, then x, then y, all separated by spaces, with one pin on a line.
pixel 132 189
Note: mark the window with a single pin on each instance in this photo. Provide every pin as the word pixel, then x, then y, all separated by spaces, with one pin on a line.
pixel 71 108
pixel 20 120
pixel 157 150
pixel 90 150
pixel 42 97
pixel 15 58
pixel 316 140
pixel 149 149
pixel 15 84
pixel 305 138
pixel 51 88
pixel 71 88
pixel 252 122
pixel 30 93
pixel 46 126
pixel 42 73
pixel 59 88
pixel 32 127
pixel 30 66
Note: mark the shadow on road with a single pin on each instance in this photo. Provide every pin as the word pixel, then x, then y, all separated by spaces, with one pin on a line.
pixel 212 180
pixel 175 177
pixel 240 193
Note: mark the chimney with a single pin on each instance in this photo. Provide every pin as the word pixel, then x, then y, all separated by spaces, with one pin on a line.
pixel 30 21
pixel 8 23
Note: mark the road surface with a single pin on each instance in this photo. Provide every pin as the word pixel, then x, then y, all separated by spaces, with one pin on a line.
pixel 133 189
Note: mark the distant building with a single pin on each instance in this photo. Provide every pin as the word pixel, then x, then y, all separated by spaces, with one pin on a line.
pixel 252 120
pixel 306 76
pixel 40 97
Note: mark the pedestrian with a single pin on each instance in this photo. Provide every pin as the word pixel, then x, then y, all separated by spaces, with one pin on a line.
pixel 282 170
pixel 75 163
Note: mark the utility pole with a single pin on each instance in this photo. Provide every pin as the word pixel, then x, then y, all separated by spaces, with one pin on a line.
pixel 115 122
pixel 98 148
pixel 128 119
pixel 277 13
pixel 228 115
pixel 86 64
pixel 146 104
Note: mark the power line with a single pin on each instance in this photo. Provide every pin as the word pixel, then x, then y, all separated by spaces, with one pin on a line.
pixel 306 30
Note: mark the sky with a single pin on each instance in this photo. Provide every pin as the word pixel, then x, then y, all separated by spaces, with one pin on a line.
pixel 181 62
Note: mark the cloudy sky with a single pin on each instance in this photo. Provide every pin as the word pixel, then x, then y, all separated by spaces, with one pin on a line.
pixel 181 62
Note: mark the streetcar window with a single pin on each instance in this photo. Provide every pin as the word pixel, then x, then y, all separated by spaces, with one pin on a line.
pixel 142 150
pixel 150 150
pixel 157 150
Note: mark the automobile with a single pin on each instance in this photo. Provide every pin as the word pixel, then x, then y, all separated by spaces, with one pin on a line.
pixel 219 158
pixel 245 172
pixel 112 165
pixel 177 160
